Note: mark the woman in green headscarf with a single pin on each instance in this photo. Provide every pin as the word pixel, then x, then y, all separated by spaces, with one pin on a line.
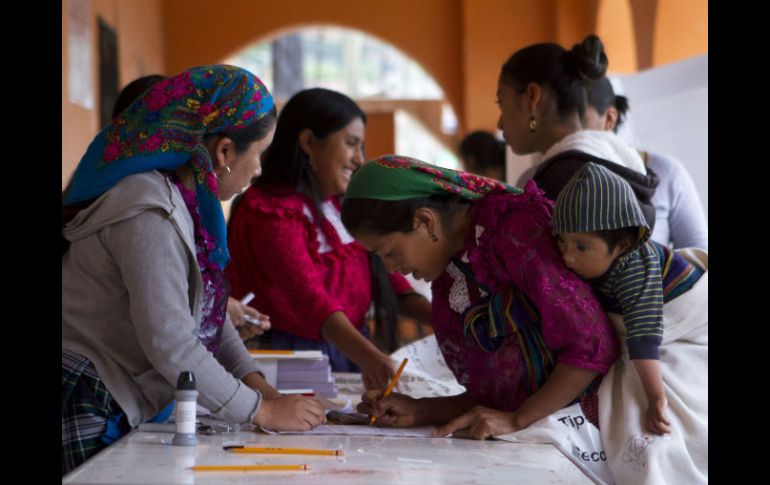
pixel 519 330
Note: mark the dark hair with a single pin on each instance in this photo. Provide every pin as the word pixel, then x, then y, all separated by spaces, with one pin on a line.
pixel 614 237
pixel 285 164
pixel 486 151
pixel 387 216
pixel 381 217
pixel 565 72
pixel 601 96
pixel 324 112
pixel 243 138
pixel 133 91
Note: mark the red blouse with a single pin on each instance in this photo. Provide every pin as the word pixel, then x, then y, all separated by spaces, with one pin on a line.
pixel 300 276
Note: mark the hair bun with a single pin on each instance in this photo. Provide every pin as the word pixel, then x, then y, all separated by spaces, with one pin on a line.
pixel 587 59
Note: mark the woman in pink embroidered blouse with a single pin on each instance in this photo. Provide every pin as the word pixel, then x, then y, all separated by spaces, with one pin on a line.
pixel 289 247
pixel 518 329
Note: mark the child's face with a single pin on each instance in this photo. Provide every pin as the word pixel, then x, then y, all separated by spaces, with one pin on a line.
pixel 586 254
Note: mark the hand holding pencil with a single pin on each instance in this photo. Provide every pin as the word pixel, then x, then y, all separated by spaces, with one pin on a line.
pixel 395 409
pixel 393 381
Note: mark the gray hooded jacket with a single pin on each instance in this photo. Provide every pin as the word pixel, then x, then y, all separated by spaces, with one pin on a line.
pixel 131 303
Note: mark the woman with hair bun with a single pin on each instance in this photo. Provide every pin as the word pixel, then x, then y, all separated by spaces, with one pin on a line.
pixel 542 94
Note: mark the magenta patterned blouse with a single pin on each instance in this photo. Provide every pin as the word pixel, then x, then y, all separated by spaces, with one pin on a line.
pixel 216 289
pixel 510 244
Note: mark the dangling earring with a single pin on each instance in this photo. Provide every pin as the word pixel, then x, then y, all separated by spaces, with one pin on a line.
pixel 313 165
pixel 532 124
pixel 433 235
pixel 217 175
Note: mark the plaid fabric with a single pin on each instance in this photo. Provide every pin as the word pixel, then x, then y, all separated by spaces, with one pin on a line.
pixel 86 408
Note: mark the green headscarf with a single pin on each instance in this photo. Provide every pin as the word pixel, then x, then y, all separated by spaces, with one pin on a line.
pixel 393 177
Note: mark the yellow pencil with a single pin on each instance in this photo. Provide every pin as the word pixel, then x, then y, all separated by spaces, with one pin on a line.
pixel 247 468
pixel 282 451
pixel 391 385
pixel 270 352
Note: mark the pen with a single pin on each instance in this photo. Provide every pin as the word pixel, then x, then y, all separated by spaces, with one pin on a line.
pixel 281 451
pixel 253 321
pixel 391 385
pixel 245 301
pixel 246 468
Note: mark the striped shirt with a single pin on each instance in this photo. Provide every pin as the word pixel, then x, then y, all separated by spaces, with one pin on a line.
pixel 638 285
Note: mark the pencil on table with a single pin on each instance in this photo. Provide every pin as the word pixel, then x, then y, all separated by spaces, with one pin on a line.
pixel 246 468
pixel 282 451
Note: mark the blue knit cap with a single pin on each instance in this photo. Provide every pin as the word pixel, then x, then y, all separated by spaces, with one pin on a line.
pixel 596 199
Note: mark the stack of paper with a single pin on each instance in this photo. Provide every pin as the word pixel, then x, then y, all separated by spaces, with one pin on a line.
pixel 290 370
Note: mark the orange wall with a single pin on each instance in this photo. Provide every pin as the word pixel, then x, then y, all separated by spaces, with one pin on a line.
pixel 675 39
pixel 615 26
pixel 575 19
pixel 140 49
pixel 492 31
pixel 380 134
pixel 427 30
pixel 462 44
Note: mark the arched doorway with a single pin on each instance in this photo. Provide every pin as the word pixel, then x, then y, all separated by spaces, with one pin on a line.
pixel 408 111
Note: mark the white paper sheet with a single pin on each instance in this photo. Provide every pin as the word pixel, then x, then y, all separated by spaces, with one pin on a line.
pixel 426 374
pixel 363 430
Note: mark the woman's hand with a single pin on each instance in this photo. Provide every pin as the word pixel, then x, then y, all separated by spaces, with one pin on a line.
pixel 290 413
pixel 396 410
pixel 377 371
pixel 482 423
pixel 239 313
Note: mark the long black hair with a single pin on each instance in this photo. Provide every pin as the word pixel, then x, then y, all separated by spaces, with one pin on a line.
pixel 563 71
pixel 286 165
pixel 381 217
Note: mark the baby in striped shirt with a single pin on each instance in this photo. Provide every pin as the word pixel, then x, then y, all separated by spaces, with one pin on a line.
pixel 604 238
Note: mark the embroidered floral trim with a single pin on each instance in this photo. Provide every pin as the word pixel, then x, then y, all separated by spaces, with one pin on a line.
pixel 479 232
pixel 216 290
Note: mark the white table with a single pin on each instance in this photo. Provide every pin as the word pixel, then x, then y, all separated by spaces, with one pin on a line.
pixel 149 458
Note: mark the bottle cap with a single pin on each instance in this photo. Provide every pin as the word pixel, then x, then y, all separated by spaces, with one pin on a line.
pixel 186 381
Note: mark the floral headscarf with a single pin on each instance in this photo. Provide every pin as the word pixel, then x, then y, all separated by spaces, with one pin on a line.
pixel 165 128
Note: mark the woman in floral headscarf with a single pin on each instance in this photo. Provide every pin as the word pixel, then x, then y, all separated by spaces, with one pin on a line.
pixel 519 330
pixel 144 247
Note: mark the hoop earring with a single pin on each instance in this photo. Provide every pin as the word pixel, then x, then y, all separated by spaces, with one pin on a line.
pixel 532 124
